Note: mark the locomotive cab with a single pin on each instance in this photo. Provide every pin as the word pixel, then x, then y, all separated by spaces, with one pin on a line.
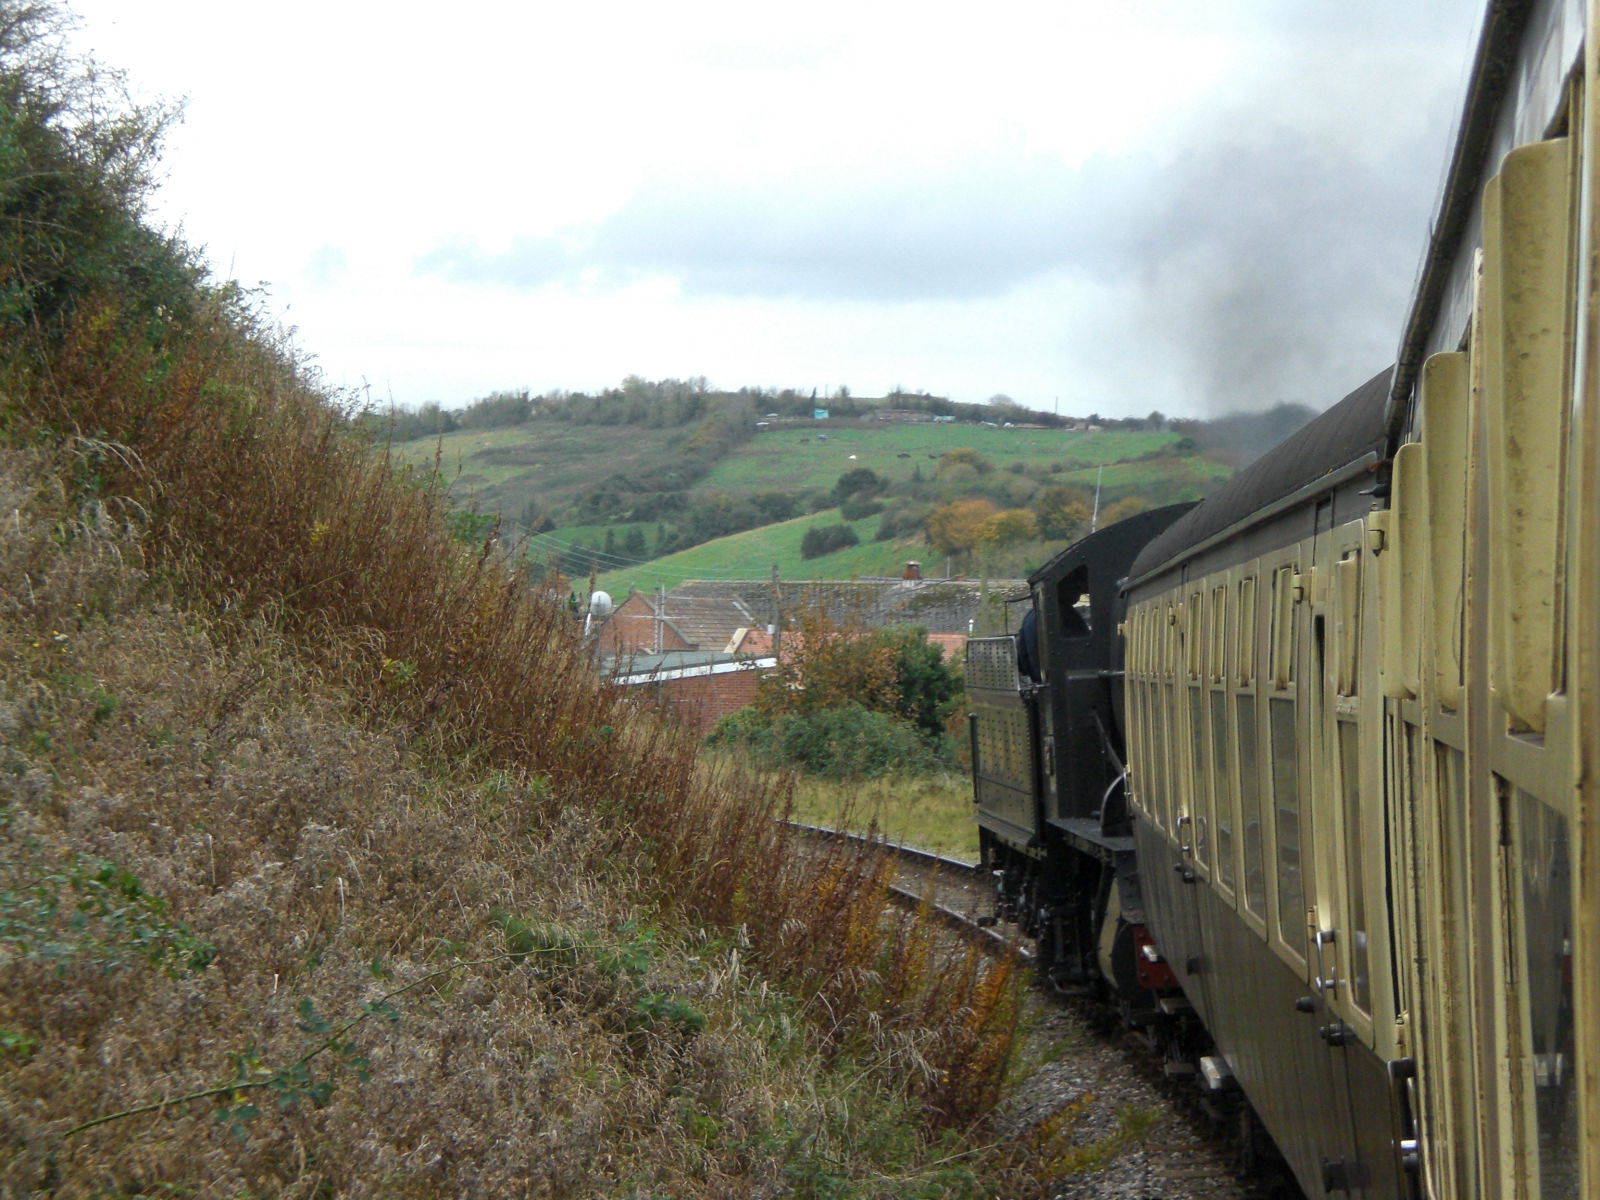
pixel 1047 755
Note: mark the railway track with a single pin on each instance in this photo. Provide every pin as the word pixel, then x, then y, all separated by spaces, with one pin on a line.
pixel 1193 1150
pixel 955 891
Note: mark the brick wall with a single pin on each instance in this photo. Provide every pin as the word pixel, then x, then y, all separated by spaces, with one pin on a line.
pixel 701 700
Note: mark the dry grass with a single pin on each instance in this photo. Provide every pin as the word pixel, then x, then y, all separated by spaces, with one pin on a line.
pixel 932 812
pixel 248 668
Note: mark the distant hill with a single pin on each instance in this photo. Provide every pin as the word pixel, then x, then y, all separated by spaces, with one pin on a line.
pixel 651 483
pixel 753 553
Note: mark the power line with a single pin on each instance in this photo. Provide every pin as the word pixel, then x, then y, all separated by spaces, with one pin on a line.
pixel 617 562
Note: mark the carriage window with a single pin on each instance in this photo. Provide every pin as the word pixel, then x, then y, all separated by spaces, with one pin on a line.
pixel 1194 636
pixel 1200 775
pixel 1217 672
pixel 1286 814
pixel 1350 774
pixel 1165 627
pixel 1164 760
pixel 1546 936
pixel 1247 632
pixel 1347 624
pixel 1255 868
pixel 1283 600
pixel 1221 794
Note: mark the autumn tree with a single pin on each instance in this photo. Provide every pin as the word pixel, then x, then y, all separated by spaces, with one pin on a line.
pixel 1009 527
pixel 957 527
pixel 964 457
pixel 849 701
pixel 827 663
pixel 1063 513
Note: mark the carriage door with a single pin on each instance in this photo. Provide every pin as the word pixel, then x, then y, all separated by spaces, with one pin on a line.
pixel 1346 824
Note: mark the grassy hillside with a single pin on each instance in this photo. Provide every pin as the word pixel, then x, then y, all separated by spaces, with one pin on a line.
pixel 794 460
pixel 553 461
pixel 618 495
pixel 327 865
pixel 752 554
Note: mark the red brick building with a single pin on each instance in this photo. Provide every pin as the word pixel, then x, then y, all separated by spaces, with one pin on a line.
pixel 644 624
pixel 697 686
pixel 701 649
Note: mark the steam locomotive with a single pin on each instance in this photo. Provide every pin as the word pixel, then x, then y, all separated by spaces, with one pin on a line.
pixel 1307 776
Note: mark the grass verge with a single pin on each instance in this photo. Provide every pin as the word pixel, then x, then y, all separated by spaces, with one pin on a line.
pixel 931 812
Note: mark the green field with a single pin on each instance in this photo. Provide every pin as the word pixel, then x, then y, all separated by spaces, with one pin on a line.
pixel 554 460
pixel 752 554
pixel 550 464
pixel 1165 480
pixel 792 459
pixel 551 461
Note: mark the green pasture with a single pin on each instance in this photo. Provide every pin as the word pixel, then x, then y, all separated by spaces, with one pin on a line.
pixel 549 459
pixel 751 555
pixel 793 458
pixel 1160 480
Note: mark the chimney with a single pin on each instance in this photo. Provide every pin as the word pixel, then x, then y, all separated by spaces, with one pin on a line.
pixel 913 571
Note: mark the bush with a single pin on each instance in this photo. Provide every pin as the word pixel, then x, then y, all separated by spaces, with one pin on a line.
pixel 855 510
pixel 902 519
pixel 861 483
pixel 853 743
pixel 849 742
pixel 748 728
pixel 825 539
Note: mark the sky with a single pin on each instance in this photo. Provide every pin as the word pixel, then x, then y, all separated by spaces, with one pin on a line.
pixel 1108 207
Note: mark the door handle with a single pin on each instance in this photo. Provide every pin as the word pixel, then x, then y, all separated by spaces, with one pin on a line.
pixel 1323 982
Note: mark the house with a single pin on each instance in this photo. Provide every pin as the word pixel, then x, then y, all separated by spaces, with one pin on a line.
pixel 645 624
pixel 700 650
pixel 941 606
pixel 698 687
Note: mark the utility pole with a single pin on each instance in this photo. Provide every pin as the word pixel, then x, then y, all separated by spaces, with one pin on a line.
pixel 776 628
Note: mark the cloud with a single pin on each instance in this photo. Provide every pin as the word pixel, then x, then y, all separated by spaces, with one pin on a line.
pixel 328 266
pixel 961 230
pixel 1259 246
pixel 1279 253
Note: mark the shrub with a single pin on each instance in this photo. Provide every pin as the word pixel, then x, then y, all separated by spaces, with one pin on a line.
pixel 966 457
pixel 825 539
pixel 903 518
pixel 861 483
pixel 853 743
pixel 856 509
pixel 845 742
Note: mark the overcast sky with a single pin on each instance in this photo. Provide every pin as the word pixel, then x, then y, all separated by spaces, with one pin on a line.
pixel 1111 206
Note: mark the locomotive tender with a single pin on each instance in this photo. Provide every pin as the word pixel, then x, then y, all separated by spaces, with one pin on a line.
pixel 1308 775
